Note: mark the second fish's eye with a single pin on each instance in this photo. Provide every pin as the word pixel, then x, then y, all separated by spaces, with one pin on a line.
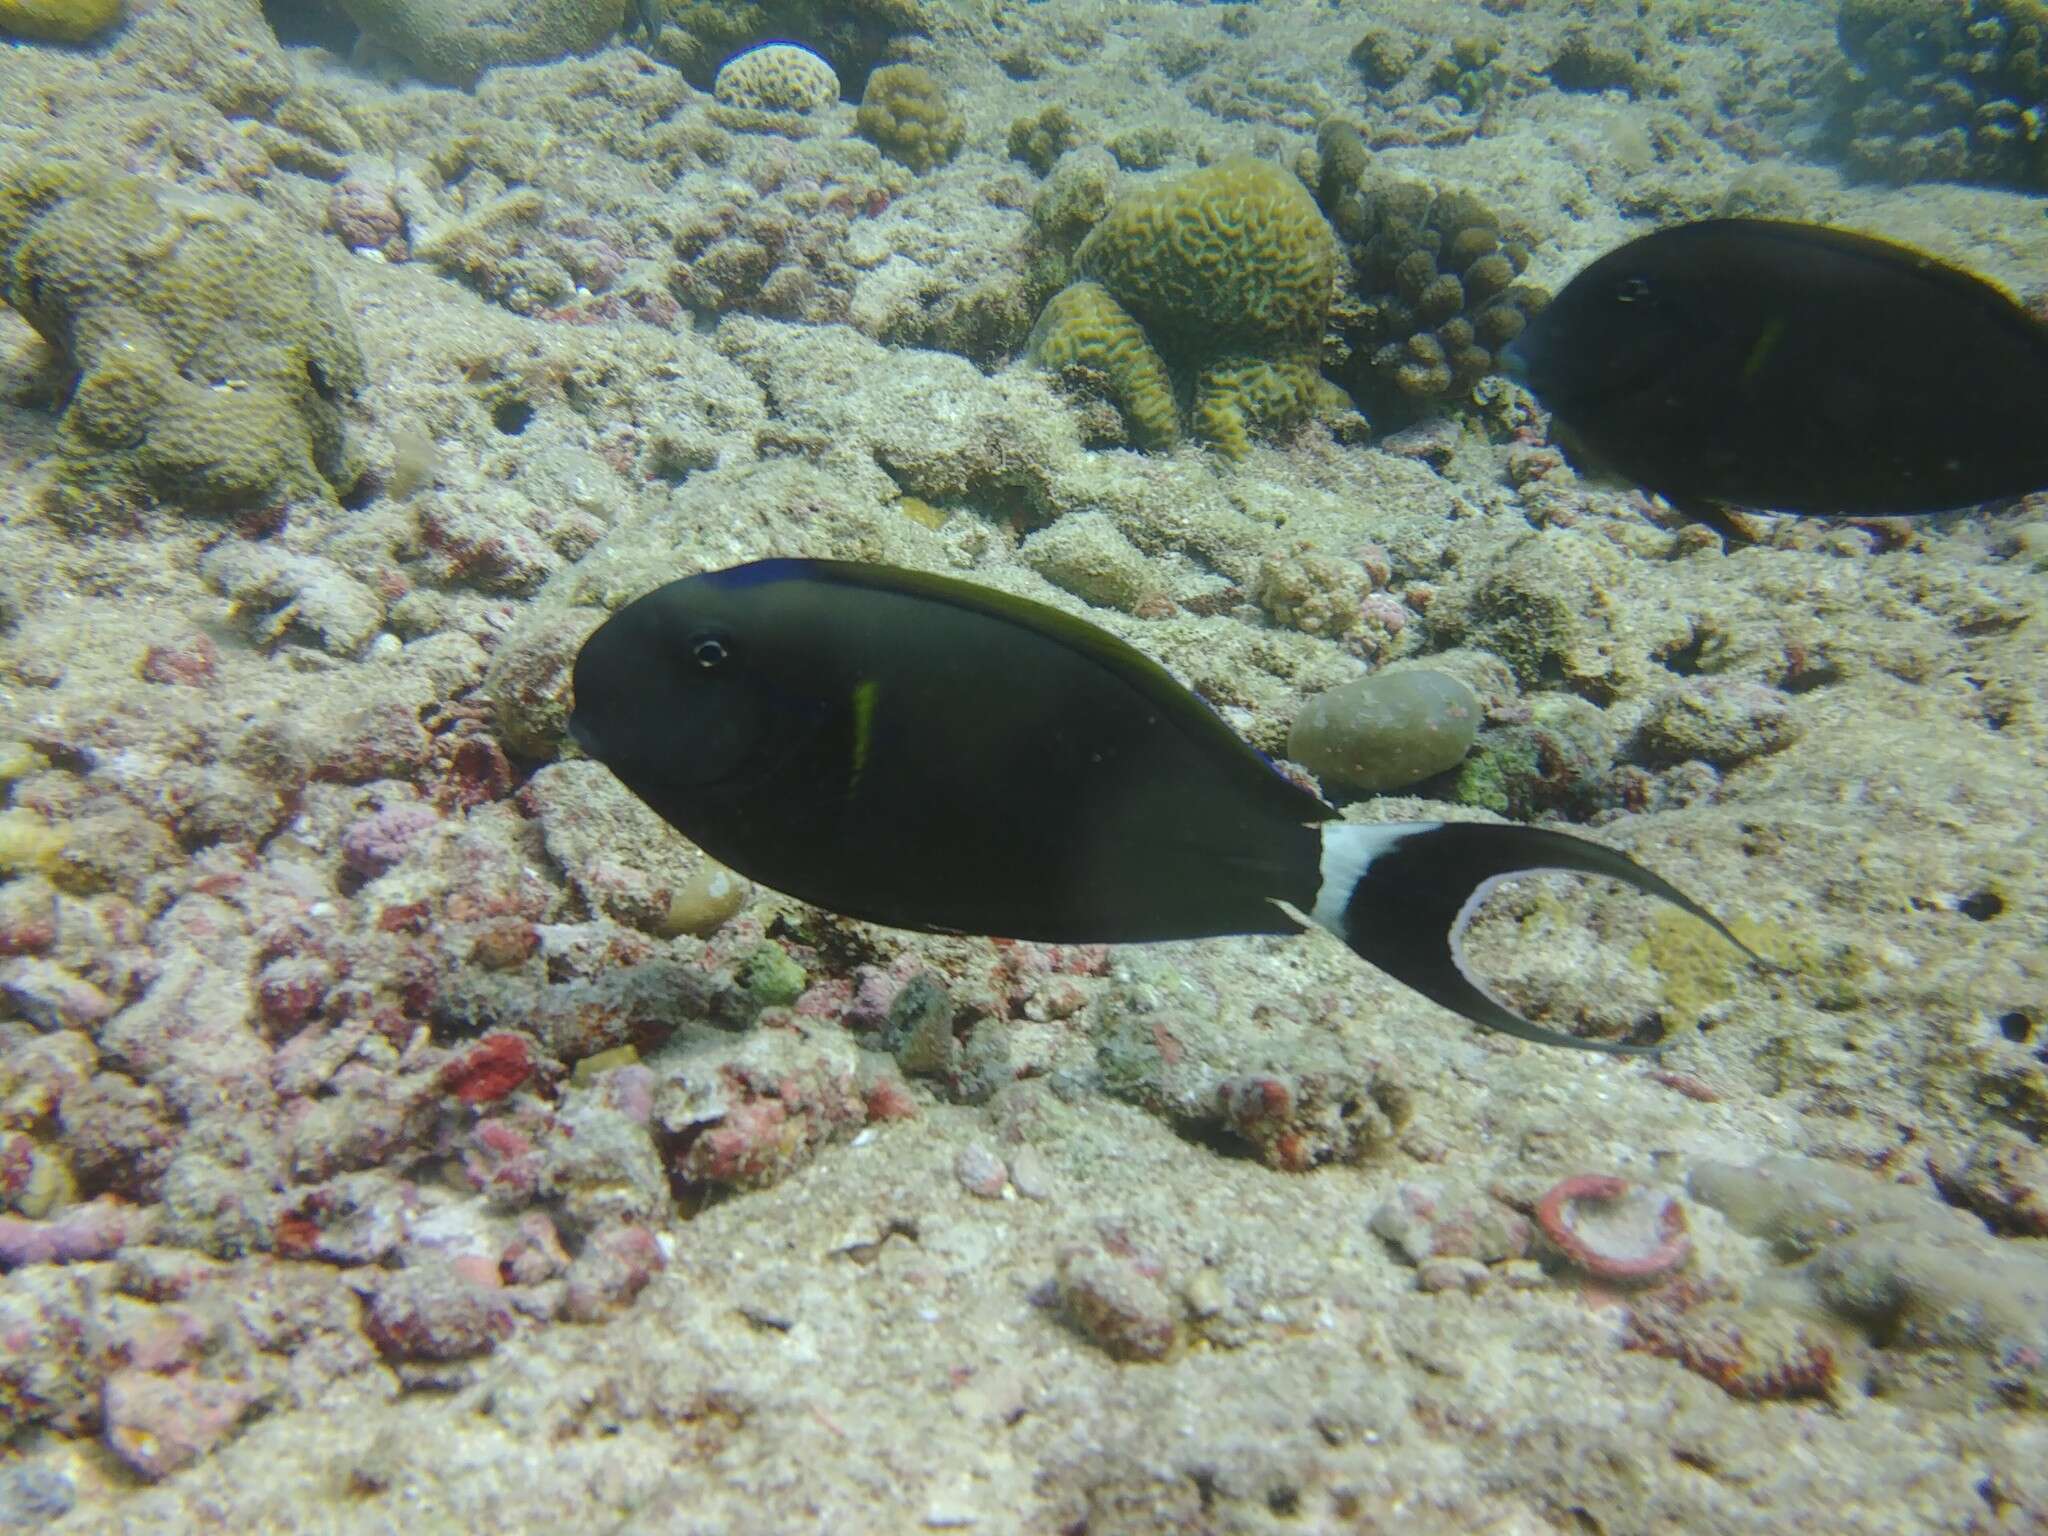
pixel 709 651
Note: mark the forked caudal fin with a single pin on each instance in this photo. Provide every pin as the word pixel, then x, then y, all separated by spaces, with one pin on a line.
pixel 1401 893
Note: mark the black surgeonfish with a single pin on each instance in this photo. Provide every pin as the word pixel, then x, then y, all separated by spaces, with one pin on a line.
pixel 1792 368
pixel 928 754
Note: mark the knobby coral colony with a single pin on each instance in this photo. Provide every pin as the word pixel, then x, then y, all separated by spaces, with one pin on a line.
pixel 883 671
pixel 1943 90
pixel 1435 287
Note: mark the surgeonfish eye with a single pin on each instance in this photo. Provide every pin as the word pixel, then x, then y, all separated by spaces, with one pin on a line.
pixel 1631 290
pixel 709 651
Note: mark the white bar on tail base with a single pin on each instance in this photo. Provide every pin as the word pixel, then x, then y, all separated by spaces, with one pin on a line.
pixel 1348 851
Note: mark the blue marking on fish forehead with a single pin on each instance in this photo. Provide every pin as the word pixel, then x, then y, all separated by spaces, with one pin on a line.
pixel 756 573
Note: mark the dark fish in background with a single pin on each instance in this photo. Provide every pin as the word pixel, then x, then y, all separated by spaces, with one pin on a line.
pixel 928 754
pixel 1791 368
pixel 645 17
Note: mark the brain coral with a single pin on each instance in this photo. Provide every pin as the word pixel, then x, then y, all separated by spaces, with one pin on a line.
pixel 1944 90
pixel 1237 248
pixel 1229 270
pixel 905 113
pixel 1435 290
pixel 1083 327
pixel 454 41
pixel 697 35
pixel 777 77
pixel 213 355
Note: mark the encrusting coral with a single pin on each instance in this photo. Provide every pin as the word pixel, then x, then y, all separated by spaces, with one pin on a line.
pixel 1222 276
pixel 213 355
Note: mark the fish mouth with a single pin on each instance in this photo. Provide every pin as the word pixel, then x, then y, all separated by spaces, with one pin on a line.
pixel 584 736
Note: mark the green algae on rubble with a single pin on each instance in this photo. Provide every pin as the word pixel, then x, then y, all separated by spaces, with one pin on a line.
pixel 213 355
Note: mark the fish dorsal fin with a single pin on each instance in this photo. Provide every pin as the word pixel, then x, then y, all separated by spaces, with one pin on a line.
pixel 1988 298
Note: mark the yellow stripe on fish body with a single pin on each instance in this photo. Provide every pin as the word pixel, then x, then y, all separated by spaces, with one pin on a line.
pixel 1766 343
pixel 864 696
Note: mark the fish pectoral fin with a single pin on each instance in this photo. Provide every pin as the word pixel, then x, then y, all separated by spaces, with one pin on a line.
pixel 1402 894
pixel 1301 920
pixel 1735 526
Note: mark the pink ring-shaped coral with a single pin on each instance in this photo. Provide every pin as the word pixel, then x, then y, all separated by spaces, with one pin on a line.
pixel 1554 1216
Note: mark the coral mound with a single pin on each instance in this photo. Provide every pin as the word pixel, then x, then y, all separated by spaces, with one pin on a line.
pixel 907 115
pixel 777 77
pixel 1236 250
pixel 213 355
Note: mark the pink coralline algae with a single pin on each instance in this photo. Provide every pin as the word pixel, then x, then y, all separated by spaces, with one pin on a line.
pixel 490 1069
pixel 980 1171
pixel 372 846
pixel 613 1268
pixel 1118 1297
pixel 503 1163
pixel 535 1253
pixel 290 990
pixel 1639 1235
pixel 160 1424
pixel 366 218
pixel 1751 1353
pixel 92 1231
pixel 189 663
pixel 770 1127
pixel 1299 1122
pixel 436 1314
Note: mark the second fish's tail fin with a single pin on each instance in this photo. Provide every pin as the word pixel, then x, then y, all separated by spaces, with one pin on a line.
pixel 1401 893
